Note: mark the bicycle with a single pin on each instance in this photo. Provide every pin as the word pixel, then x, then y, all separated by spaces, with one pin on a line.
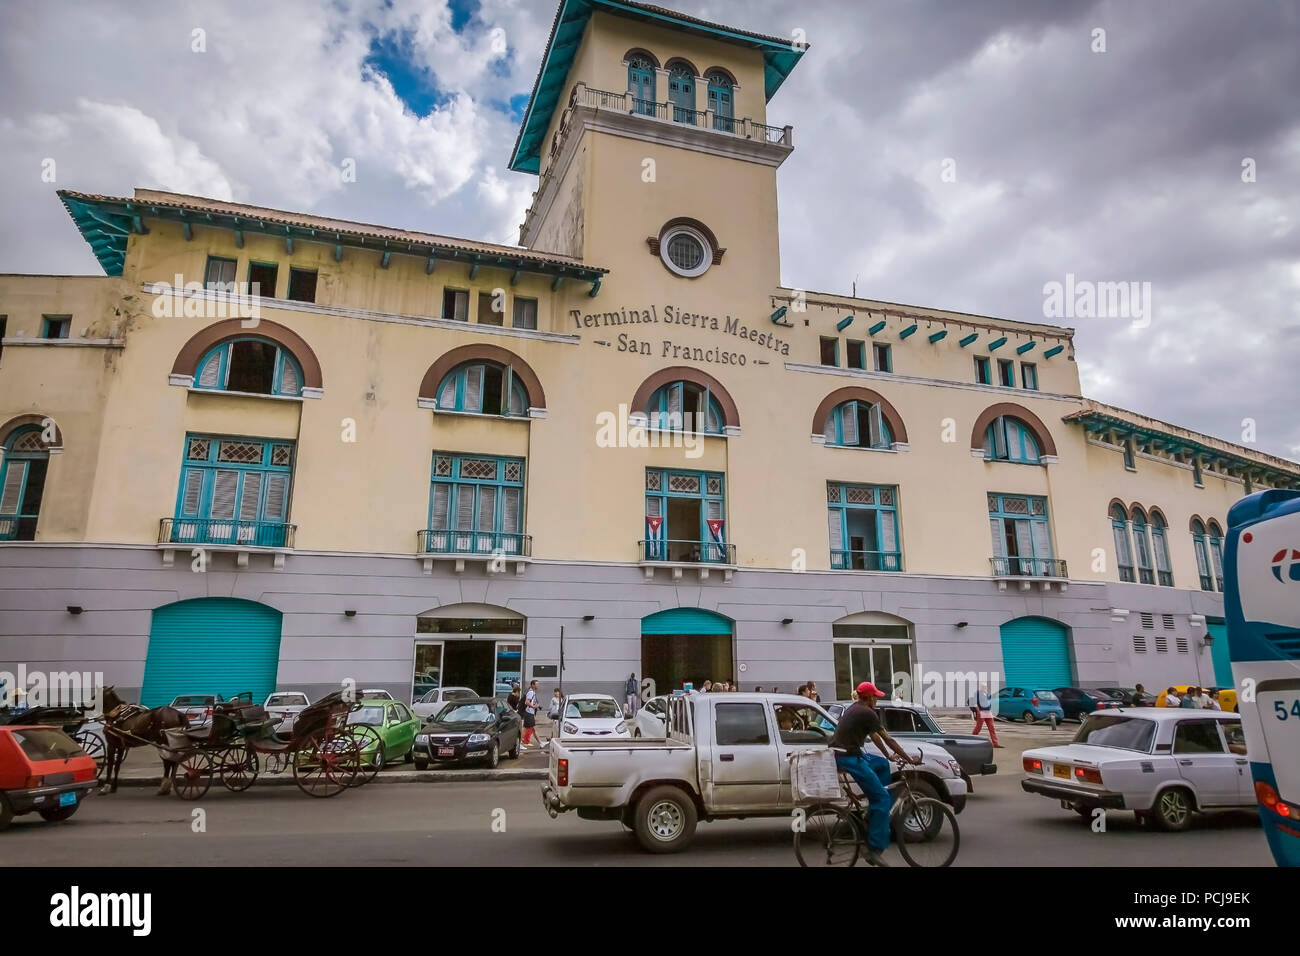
pixel 834 834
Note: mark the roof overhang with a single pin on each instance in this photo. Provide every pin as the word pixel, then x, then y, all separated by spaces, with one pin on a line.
pixel 106 222
pixel 779 59
pixel 1277 472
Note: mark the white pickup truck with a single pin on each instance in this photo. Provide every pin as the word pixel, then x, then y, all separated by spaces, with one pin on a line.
pixel 725 756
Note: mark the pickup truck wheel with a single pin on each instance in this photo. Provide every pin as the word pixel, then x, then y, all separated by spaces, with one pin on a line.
pixel 1173 809
pixel 665 820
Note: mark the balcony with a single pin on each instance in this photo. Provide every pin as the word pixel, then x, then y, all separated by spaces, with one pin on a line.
pixel 16 527
pixel 866 561
pixel 1027 570
pixel 492 548
pixel 225 534
pixel 1146 576
pixel 678 554
pixel 1126 573
pixel 1165 578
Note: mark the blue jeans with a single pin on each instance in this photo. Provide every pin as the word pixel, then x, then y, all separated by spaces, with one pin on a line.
pixel 872 772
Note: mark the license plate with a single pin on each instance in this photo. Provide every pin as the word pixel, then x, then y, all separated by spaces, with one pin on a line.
pixel 68 799
pixel 1061 770
pixel 446 751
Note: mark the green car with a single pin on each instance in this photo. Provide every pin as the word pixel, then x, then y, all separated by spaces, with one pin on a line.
pixel 394 731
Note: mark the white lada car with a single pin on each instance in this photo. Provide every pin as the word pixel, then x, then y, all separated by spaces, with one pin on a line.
pixel 1162 764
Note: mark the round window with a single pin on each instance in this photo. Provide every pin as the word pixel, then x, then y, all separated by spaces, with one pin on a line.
pixel 686 252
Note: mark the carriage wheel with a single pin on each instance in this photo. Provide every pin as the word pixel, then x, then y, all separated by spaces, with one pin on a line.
pixel 238 768
pixel 325 764
pixel 93 745
pixel 193 775
pixel 368 754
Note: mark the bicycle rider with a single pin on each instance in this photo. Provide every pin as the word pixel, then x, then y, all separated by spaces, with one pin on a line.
pixel 857 724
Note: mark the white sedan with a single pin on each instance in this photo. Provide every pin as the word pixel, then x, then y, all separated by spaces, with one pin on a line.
pixel 285 706
pixel 650 719
pixel 593 715
pixel 1164 765
pixel 432 702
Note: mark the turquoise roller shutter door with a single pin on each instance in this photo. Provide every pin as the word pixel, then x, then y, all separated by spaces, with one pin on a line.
pixel 211 646
pixel 686 620
pixel 1036 654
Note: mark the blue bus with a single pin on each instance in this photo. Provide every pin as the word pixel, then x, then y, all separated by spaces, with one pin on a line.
pixel 1261 602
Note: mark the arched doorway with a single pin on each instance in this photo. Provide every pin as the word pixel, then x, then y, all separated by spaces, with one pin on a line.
pixel 1036 653
pixel 686 644
pixel 479 646
pixel 211 646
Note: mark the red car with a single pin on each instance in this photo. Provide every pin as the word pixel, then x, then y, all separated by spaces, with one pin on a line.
pixel 42 769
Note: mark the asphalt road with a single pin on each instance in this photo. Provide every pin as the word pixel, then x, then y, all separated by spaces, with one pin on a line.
pixel 495 823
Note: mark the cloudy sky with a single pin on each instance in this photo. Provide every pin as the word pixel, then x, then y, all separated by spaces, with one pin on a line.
pixel 951 153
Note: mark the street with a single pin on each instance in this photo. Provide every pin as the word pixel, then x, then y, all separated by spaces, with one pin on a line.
pixel 452 824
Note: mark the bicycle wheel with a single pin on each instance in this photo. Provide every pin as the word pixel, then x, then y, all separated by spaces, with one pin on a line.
pixel 829 837
pixel 915 817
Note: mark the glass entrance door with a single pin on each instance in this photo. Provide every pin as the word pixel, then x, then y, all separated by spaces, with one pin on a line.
pixel 509 668
pixel 428 668
pixel 877 663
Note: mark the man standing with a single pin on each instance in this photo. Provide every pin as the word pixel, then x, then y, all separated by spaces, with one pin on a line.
pixel 530 715
pixel 982 705
pixel 1139 692
pixel 860 723
pixel 812 692
pixel 630 690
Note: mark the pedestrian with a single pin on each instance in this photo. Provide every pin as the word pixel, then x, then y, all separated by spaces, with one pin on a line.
pixel 803 690
pixel 812 692
pixel 758 689
pixel 1138 693
pixel 981 706
pixel 630 690
pixel 1189 699
pixel 776 690
pixel 512 699
pixel 531 703
pixel 553 710
pixel 1214 700
pixel 706 686
pixel 1171 698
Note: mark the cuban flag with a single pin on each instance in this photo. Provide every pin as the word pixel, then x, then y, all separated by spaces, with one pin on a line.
pixel 715 532
pixel 653 544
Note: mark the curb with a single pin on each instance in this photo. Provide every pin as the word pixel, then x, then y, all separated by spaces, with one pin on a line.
pixel 416 776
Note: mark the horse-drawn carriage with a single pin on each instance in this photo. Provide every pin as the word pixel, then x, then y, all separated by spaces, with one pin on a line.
pixel 71 720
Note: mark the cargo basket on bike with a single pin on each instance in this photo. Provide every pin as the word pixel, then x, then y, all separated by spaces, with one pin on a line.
pixel 814 777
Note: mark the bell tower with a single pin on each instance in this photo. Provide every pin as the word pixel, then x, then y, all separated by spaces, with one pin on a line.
pixel 650 135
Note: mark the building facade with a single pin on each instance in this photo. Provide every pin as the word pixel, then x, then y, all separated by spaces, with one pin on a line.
pixel 269 449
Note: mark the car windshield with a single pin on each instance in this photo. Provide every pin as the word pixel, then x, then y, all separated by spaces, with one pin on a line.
pixel 377 694
pixel 1099 693
pixel 194 700
pixel 458 693
pixel 287 700
pixel 45 743
pixel 1046 695
pixel 592 708
pixel 464 714
pixel 374 716
pixel 1124 733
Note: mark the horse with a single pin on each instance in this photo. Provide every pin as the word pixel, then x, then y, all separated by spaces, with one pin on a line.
pixel 130 725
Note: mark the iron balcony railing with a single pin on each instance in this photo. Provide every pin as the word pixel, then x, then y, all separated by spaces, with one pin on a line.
pixel 1218 581
pixel 251 534
pixel 16 527
pixel 1207 583
pixel 511 544
pixel 685 115
pixel 1028 568
pixel 1165 579
pixel 866 561
pixel 1146 576
pixel 1126 573
pixel 687 551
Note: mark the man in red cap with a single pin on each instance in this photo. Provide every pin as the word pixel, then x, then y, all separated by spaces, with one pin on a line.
pixel 857 724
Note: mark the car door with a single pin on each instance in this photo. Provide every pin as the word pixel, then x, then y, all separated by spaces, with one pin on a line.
pixel 1235 738
pixel 403 728
pixel 1204 761
pixel 1007 703
pixel 507 728
pixel 743 764
pixel 1070 700
pixel 798 727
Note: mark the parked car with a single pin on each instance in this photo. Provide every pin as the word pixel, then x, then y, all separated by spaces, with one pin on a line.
pixel 437 698
pixel 376 693
pixel 649 719
pixel 728 758
pixel 469 728
pixel 197 708
pixel 1129 696
pixel 1027 704
pixel 42 770
pixel 1163 764
pixel 907 721
pixel 593 715
pixel 395 726
pixel 285 706
pixel 1077 702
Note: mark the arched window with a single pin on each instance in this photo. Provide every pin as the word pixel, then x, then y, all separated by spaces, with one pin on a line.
pixel 1010 439
pixel 1160 547
pixel 1215 535
pixel 721 100
pixel 685 406
pixel 1142 547
pixel 1123 548
pixel 253 365
pixel 856 424
pixel 22 483
pixel 641 83
pixel 483 388
pixel 681 91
